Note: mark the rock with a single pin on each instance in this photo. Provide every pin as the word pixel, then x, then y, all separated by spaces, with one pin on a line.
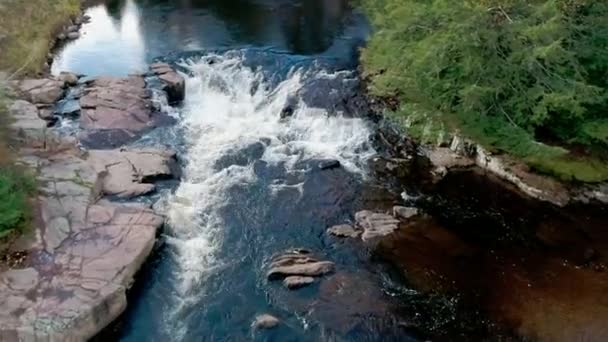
pixel 174 83
pixel 68 78
pixel 344 230
pixel 329 164
pixel 375 225
pixel 61 36
pixel 73 35
pixel 86 18
pixel 242 157
pixel 265 321
pixel 129 173
pixel 68 108
pixel 113 104
pixel 287 112
pixel 404 213
pixel 29 129
pixel 46 114
pixel 78 20
pixel 298 264
pixel 84 255
pixel 72 28
pixel 43 91
pixel 296 282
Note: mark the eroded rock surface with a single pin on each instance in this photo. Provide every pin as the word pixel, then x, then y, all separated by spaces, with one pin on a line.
pixel 174 83
pixel 298 263
pixel 344 230
pixel 375 225
pixel 39 91
pixel 83 250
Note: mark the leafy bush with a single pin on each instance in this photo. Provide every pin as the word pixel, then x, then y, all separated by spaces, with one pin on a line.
pixel 504 72
pixel 15 188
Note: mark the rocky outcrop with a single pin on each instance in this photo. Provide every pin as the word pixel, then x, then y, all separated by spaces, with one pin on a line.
pixel 131 173
pixel 265 321
pixel 44 91
pixel 344 230
pixel 83 255
pixel 31 131
pixel 173 83
pixel 375 225
pixel 297 268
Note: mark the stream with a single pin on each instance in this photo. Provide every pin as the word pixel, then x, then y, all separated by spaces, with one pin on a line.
pixel 252 187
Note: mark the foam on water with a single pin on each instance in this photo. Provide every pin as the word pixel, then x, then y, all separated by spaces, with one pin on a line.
pixel 228 107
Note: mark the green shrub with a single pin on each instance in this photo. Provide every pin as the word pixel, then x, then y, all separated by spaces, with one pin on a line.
pixel 507 73
pixel 15 189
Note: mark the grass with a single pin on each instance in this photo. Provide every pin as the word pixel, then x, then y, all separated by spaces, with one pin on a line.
pixel 27 28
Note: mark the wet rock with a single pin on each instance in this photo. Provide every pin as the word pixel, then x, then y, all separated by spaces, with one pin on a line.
pixel 375 225
pixel 344 230
pixel 296 282
pixel 112 103
pixel 265 321
pixel 295 263
pixel 68 108
pixel 73 35
pixel 174 83
pixel 46 114
pixel 43 91
pixel 129 173
pixel 68 78
pixel 241 157
pixel 61 36
pixel 86 18
pixel 329 164
pixel 404 213
pixel 72 28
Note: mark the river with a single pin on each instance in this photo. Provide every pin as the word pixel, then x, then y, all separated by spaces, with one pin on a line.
pixel 251 187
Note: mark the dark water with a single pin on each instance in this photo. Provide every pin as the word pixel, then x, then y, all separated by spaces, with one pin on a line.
pixel 125 35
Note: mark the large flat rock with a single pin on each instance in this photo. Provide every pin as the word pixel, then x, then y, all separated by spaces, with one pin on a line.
pixel 82 256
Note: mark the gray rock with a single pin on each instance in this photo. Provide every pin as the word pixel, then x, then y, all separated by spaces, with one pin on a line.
pixel 73 35
pixel 375 225
pixel 129 173
pixel 404 212
pixel 72 28
pixel 296 282
pixel 265 321
pixel 296 264
pixel 344 230
pixel 174 83
pixel 29 129
pixel 329 164
pixel 68 78
pixel 61 36
pixel 86 18
pixel 43 91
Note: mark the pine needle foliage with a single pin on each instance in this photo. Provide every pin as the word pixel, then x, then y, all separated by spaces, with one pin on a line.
pixel 507 73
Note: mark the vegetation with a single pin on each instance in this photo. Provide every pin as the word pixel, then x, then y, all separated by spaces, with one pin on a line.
pixel 27 28
pixel 525 77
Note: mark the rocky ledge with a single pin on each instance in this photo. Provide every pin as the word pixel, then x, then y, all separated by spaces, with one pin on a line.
pixel 83 250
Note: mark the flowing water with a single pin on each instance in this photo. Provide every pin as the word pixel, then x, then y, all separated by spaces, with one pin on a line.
pixel 252 187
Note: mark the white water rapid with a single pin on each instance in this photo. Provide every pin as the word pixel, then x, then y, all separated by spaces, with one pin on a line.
pixel 228 107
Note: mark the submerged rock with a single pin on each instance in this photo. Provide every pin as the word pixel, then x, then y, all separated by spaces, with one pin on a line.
pixel 329 164
pixel 265 321
pixel 344 230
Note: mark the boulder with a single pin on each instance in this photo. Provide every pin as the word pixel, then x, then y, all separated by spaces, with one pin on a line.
pixel 265 321
pixel 68 78
pixel 295 263
pixel 61 36
pixel 39 91
pixel 329 164
pixel 29 129
pixel 72 28
pixel 404 213
pixel 174 83
pixel 296 282
pixel 375 225
pixel 344 230
pixel 130 173
pixel 73 35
